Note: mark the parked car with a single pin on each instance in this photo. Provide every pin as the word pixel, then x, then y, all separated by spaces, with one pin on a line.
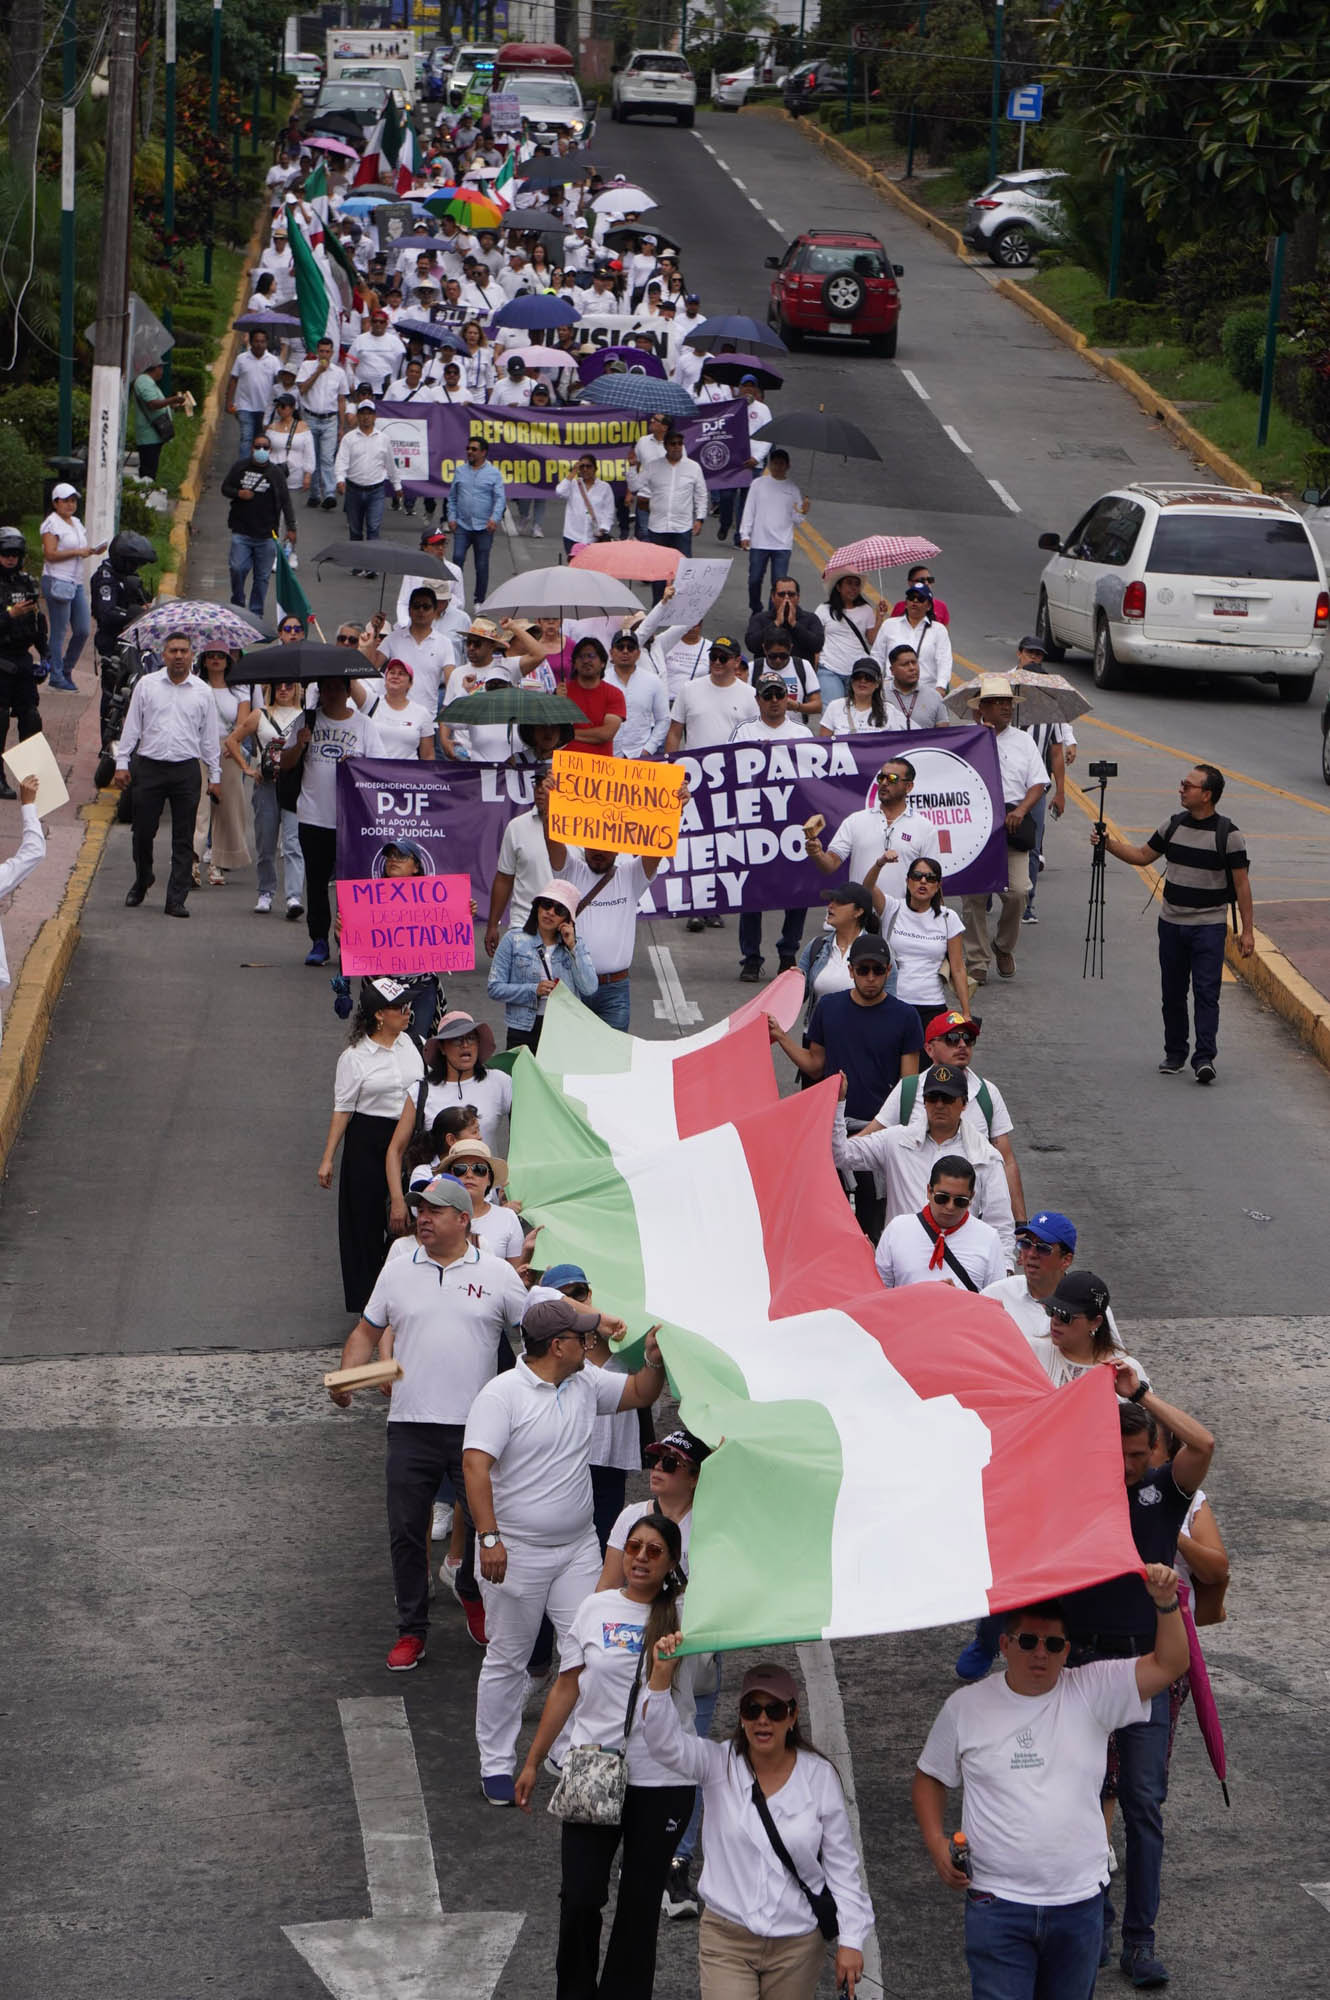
pixel 838 284
pixel 812 83
pixel 468 58
pixel 1208 579
pixel 654 80
pixel 1010 218
pixel 730 87
pixel 308 72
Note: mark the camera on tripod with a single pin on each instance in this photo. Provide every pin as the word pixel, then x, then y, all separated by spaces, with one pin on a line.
pixel 1102 771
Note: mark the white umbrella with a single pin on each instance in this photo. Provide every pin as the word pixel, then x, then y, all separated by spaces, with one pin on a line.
pixel 621 201
pixel 1040 698
pixel 581 592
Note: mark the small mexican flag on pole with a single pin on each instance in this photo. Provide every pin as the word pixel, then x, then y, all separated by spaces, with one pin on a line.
pixel 291 599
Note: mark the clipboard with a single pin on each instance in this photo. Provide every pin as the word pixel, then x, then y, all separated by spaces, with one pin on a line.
pixel 36 759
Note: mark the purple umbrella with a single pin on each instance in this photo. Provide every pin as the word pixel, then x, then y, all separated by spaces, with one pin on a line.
pixel 635 360
pixel 281 324
pixel 733 368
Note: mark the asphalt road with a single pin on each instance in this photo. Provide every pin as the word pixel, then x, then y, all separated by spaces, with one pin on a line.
pixel 194 1541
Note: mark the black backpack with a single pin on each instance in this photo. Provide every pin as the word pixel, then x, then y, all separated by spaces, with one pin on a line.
pixel 1223 829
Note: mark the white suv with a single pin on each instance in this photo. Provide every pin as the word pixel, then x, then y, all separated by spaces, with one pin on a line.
pixel 1209 579
pixel 654 80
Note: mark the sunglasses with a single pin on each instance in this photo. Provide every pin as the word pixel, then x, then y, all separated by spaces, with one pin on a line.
pixel 752 1706
pixel 1062 1314
pixel 1028 1641
pixel 871 678
pixel 469 1167
pixel 940 1200
pixel 873 967
pixel 1033 1247
pixel 956 1037
pixel 670 1461
pixel 576 1291
pixel 292 625
pixel 544 903
pixel 348 638
pixel 892 778
pixel 922 875
pixel 922 579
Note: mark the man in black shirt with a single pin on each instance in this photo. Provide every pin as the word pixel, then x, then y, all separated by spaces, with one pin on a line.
pixel 1115 1620
pixel 259 503
pixel 800 629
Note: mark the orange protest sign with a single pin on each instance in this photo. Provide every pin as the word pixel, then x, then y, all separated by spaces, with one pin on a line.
pixel 624 805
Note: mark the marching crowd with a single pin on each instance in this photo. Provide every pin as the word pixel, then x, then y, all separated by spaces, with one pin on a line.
pixel 513 1431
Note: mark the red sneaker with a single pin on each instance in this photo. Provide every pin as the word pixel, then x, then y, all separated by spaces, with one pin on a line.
pixel 475 1620
pixel 407 1653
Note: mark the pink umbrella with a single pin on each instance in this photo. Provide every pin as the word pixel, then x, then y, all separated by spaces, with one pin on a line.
pixel 631 562
pixel 541 357
pixel 1202 1694
pixel 326 145
pixel 877 552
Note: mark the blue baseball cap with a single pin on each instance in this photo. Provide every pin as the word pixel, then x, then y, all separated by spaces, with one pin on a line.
pixel 564 1274
pixel 1051 1227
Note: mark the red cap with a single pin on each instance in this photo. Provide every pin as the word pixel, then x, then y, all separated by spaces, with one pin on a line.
pixel 942 1024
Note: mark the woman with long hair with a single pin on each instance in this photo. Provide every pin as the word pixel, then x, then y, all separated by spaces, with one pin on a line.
pixel 849 626
pixel 925 937
pixel 456 1072
pixel 825 959
pixel 380 1065
pixel 604 1664
pixel 497 1230
pixel 477 362
pixel 267 724
pixel 759 1936
pixel 530 963
pixel 862 708
pixel 220 830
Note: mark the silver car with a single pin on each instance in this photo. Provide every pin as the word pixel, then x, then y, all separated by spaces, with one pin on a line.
pixel 729 87
pixel 1010 218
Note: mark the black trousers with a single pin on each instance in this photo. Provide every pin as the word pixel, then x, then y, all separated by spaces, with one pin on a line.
pixel 418 1457
pixel 318 844
pixel 18 697
pixel 362 1205
pixel 525 1038
pixel 654 1818
pixel 157 784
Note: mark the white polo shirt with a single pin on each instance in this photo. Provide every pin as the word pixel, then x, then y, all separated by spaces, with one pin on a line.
pixel 862 836
pixel 524 855
pixel 446 1321
pixel 540 1439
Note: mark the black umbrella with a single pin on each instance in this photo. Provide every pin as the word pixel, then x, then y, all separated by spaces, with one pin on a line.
pixel 342 125
pixel 539 221
pixel 814 430
pixel 623 233
pixel 306 661
pixel 384 558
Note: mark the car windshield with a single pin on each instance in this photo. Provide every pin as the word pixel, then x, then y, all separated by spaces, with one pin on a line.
pixel 543 89
pixel 675 65
pixel 1222 545
pixel 351 95
pixel 367 73
pixel 824 257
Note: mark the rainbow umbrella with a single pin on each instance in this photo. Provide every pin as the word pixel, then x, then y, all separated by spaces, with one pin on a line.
pixel 475 211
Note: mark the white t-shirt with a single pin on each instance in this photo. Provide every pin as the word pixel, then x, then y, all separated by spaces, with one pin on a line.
pixel 841 718
pixel 69 535
pixel 540 1440
pixel 919 942
pixel 845 640
pixel 499 1231
pixel 354 736
pixel 490 1096
pixel 833 973
pixel 618 1535
pixel 446 1320
pixel 429 660
pixel 1031 1766
pixel 788 728
pixel 905 1249
pixel 402 730
pixel 862 837
pixel 711 714
pixel 605 1640
pixel 609 927
pixel 254 376
pixel 373 1079
pixel 1019 764
pixel 524 855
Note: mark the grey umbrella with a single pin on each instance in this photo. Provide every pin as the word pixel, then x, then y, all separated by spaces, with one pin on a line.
pixel 581 592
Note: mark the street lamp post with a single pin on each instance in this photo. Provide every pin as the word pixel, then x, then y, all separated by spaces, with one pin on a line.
pixel 998 16
pixel 1271 332
pixel 168 169
pixel 909 145
pixel 69 85
pixel 213 90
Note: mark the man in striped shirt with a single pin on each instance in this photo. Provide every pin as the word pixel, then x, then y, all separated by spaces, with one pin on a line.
pixel 1205 870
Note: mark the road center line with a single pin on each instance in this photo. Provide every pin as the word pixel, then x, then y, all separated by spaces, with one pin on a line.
pixel 1003 495
pixel 916 385
pixel 737 182
pixel 1321 1891
pixel 399 1857
pixel 957 439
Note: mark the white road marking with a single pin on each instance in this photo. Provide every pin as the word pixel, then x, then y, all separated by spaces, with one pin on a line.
pixel 1003 495
pixel 957 439
pixel 399 1858
pixel 737 182
pixel 826 1726
pixel 672 1005
pixel 757 205
pixel 1321 1891
pixel 724 166
pixel 916 385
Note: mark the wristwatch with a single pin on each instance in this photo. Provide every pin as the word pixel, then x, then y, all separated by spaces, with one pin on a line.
pixel 490 1541
pixel 1139 1393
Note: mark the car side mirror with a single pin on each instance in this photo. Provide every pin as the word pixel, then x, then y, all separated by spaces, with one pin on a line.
pixel 1313 496
pixel 773 264
pixel 898 270
pixel 1053 542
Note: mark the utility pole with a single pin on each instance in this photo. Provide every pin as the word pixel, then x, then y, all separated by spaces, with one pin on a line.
pixel 111 356
pixel 999 14
pixel 213 88
pixel 909 144
pixel 168 168
pixel 68 85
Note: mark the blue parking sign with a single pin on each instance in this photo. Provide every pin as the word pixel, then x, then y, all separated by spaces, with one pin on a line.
pixel 1026 105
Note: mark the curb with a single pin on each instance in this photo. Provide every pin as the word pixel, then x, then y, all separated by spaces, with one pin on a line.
pixel 42 975
pixel 1149 400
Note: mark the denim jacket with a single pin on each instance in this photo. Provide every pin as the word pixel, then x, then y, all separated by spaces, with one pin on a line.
pixel 517 971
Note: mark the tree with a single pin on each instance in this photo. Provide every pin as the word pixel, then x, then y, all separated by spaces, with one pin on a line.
pixel 1227 104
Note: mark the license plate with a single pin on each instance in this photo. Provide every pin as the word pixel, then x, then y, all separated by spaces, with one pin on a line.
pixel 1230 607
pixel 840 326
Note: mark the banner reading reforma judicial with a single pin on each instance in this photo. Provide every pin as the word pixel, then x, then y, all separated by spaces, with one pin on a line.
pixel 534 449
pixel 741 841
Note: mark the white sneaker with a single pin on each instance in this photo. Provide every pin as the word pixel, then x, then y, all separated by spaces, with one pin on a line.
pixel 441 1522
pixel 538 534
pixel 448 1573
pixel 264 904
pixel 555 1770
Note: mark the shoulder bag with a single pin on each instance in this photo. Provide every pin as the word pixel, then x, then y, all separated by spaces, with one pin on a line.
pixel 820 1901
pixel 948 1256
pixel 591 1787
pixel 157 417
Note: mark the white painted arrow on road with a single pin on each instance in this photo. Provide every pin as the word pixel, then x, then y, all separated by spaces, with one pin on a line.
pixel 673 1005
pixel 408 1949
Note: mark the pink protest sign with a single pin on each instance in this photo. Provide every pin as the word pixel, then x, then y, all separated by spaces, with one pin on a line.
pixel 406 924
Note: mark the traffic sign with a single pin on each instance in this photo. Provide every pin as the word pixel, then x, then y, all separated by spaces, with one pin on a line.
pixel 1026 105
pixel 861 36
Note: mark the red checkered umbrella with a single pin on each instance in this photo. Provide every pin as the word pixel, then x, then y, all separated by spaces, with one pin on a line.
pixel 878 552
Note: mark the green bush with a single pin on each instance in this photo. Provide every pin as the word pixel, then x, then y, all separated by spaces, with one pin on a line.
pixel 1242 344
pixel 33 410
pixel 1204 282
pixel 971 168
pixel 192 318
pixel 1128 323
pixel 136 516
pixel 21 476
pixel 189 371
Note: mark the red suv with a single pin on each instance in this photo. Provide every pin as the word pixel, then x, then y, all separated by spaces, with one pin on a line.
pixel 837 283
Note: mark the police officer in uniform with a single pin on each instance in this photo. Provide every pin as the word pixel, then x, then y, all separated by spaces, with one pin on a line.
pixel 22 627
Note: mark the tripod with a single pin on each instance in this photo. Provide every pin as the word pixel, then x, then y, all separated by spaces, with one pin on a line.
pixel 1092 966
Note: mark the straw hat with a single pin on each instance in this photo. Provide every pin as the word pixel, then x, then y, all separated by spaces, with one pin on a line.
pixel 992 687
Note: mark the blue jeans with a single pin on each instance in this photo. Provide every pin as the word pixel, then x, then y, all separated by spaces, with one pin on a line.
pixel 1142 1789
pixel 364 511
pixel 1190 956
pixel 1039 814
pixel 1032 1951
pixel 787 945
pixel 70 625
pixel 251 423
pixel 704 1715
pixel 612 1003
pixel 323 430
pixel 480 541
pixel 831 686
pixel 757 564
pixel 273 827
pixel 252 556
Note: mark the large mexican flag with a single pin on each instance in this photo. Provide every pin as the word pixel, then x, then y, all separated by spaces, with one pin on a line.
pixel 886 1460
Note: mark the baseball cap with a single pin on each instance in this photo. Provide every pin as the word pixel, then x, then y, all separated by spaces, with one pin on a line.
pixel 362 407
pixel 385 992
pixel 770 684
pixel 404 665
pixel 64 491
pixel 1081 1292
pixel 1050 1226
pixel 559 1275
pixel 692 298
pixel 869 951
pixel 769 1679
pixel 851 892
pixel 729 647
pixel 681 1441
pixel 748 378
pixel 944 1081
pixel 545 1319
pixel 445 1192
pixel 942 1024
pixel 1031 643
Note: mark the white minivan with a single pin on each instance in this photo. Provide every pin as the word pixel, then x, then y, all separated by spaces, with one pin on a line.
pixel 1205 579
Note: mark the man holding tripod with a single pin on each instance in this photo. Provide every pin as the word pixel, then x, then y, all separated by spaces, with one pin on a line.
pixel 1205 875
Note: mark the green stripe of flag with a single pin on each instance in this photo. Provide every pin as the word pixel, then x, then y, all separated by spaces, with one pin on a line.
pixel 291 599
pixel 312 300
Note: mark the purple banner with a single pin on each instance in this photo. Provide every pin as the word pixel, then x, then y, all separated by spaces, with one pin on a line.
pixel 535 449
pixel 741 842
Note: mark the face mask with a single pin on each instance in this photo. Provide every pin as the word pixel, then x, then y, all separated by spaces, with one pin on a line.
pixel 259 456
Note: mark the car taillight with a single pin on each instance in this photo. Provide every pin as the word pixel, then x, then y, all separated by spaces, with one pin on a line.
pixel 1133 600
pixel 726 81
pixel 984 204
pixel 1323 608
